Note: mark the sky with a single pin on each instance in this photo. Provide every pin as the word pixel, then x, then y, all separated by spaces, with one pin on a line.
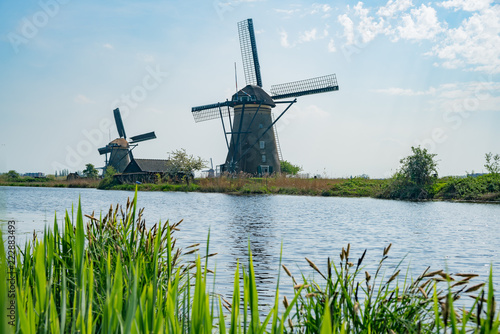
pixel 410 73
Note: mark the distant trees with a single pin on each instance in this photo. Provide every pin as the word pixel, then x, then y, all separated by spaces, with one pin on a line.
pixel 90 172
pixel 12 175
pixel 289 168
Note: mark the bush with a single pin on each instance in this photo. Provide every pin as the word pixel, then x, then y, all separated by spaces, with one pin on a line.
pixel 483 187
pixel 415 178
pixel 108 181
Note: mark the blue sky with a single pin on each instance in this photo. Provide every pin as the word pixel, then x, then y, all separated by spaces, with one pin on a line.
pixel 410 73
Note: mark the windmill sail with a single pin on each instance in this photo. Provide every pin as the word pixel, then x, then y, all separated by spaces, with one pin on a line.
pixel 119 123
pixel 317 85
pixel 143 137
pixel 249 55
pixel 211 111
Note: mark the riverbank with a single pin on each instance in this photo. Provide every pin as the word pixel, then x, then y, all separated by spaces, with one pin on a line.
pixel 483 189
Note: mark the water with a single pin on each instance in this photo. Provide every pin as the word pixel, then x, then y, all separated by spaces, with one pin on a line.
pixel 462 237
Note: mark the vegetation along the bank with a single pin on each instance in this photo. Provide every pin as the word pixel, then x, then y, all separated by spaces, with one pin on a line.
pixel 416 179
pixel 112 274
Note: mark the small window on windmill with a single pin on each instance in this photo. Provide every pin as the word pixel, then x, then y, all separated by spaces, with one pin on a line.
pixel 263 158
pixel 262 144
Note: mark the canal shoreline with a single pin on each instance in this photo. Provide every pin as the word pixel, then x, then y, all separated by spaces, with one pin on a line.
pixel 349 187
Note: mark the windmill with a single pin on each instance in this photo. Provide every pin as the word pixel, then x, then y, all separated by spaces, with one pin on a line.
pixel 120 149
pixel 252 144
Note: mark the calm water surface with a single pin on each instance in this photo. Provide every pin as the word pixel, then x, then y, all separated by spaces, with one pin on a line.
pixel 462 237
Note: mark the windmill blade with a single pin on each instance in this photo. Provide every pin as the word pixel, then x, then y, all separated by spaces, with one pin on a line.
pixel 211 111
pixel 143 137
pixel 249 56
pixel 104 150
pixel 327 83
pixel 119 123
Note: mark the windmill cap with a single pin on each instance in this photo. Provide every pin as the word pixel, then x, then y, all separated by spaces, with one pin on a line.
pixel 252 93
pixel 122 142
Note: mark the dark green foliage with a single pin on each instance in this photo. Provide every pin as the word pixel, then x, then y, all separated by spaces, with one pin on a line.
pixel 492 164
pixel 90 172
pixel 483 187
pixel 12 175
pixel 415 178
pixel 289 168
pixel 108 180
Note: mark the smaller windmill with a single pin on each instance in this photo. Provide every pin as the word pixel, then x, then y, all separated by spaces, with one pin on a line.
pixel 120 149
pixel 251 140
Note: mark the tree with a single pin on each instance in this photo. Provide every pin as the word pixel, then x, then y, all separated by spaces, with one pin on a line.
pixel 182 165
pixel 90 172
pixel 419 167
pixel 492 164
pixel 289 168
pixel 12 175
pixel 415 177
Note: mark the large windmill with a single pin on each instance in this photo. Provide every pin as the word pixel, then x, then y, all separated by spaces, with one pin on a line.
pixel 252 145
pixel 120 149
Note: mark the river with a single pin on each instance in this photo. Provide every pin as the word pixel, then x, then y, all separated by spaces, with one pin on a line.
pixel 462 237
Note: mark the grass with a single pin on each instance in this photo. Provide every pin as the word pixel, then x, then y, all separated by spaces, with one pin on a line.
pixel 52 182
pixel 484 188
pixel 111 274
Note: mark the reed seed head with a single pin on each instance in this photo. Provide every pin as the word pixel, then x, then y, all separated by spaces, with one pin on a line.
pixel 285 302
pixel 286 270
pixel 475 287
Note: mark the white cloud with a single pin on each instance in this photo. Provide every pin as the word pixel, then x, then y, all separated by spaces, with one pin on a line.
pixel 473 96
pixel 367 26
pixel 287 12
pixel 331 46
pixel 475 42
pixel 284 39
pixel 468 96
pixel 394 7
pixel 108 46
pixel 466 5
pixel 422 23
pixel 404 91
pixel 348 25
pixel 308 35
pixel 304 37
pixel 323 9
pixel 82 99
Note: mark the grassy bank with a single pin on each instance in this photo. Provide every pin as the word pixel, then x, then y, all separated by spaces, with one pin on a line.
pixel 484 188
pixel 354 187
pixel 51 182
pixel 111 274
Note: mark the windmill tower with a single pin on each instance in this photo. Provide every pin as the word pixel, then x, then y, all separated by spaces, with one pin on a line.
pixel 252 144
pixel 120 149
